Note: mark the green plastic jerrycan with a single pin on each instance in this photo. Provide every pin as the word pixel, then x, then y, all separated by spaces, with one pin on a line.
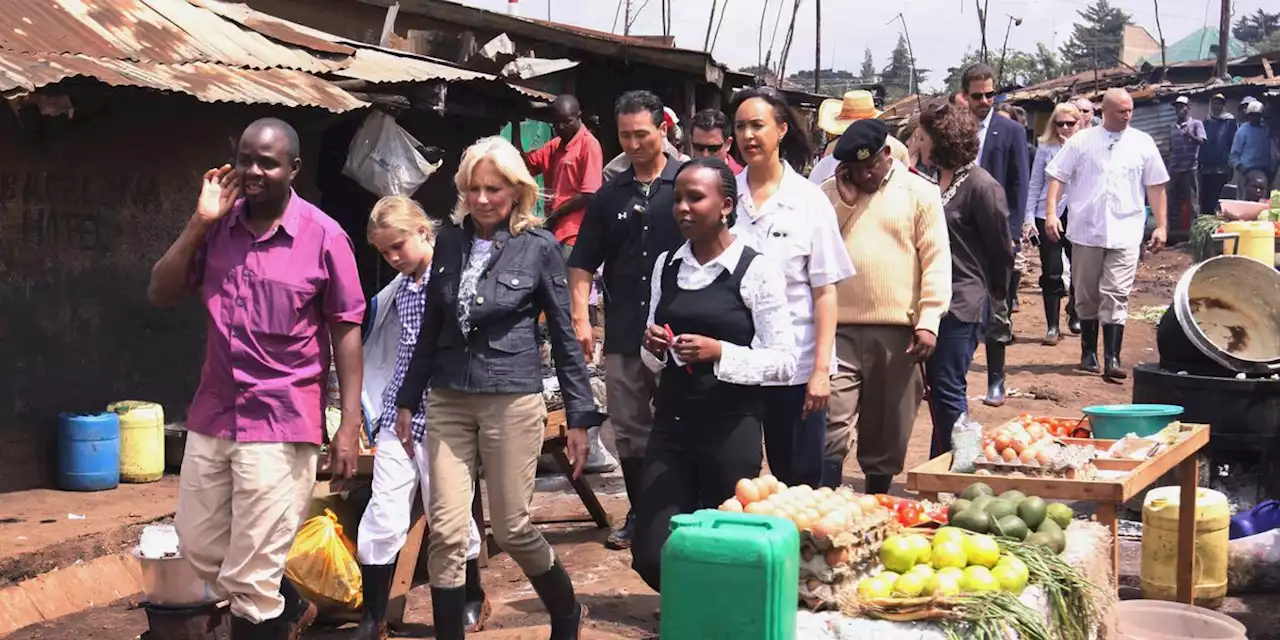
pixel 730 576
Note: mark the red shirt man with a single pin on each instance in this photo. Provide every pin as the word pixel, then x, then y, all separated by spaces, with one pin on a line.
pixel 573 165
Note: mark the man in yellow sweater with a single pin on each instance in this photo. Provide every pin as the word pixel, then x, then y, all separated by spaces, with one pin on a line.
pixel 896 234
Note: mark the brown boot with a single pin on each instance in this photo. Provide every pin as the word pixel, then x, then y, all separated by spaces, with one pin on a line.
pixel 299 613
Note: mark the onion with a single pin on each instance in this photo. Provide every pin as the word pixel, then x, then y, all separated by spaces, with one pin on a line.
pixel 868 503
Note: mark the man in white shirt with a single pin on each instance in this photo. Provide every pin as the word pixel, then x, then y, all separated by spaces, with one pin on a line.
pixel 1108 167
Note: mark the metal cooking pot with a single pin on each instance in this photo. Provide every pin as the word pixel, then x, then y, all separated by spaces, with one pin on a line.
pixel 1229 308
pixel 171 582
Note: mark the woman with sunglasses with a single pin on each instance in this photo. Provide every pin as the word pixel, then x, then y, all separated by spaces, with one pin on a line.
pixel 792 224
pixel 1064 122
pixel 981 261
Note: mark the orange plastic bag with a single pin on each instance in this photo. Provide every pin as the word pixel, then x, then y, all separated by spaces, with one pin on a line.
pixel 322 563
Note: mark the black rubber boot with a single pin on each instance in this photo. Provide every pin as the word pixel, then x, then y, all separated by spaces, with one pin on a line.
pixel 556 592
pixel 377 591
pixel 632 476
pixel 878 484
pixel 995 374
pixel 1112 341
pixel 447 612
pixel 299 613
pixel 1052 313
pixel 1073 321
pixel 1089 346
pixel 242 629
pixel 1015 281
pixel 477 610
pixel 832 472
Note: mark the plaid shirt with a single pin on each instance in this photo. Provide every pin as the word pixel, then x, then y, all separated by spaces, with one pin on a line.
pixel 1185 139
pixel 411 305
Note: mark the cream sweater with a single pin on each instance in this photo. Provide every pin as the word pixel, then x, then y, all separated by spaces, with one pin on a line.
pixel 898 241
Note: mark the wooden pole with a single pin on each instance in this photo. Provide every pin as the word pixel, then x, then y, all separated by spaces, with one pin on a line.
pixel 1164 64
pixel 626 18
pixel 817 46
pixel 706 44
pixel 1224 35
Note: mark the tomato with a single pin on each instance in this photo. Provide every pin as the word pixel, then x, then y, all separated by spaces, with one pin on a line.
pixel 909 514
pixel 886 500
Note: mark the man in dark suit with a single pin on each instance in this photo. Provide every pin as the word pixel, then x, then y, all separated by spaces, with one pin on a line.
pixel 1002 152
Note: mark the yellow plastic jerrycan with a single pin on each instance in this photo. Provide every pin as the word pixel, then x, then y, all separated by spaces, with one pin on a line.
pixel 1160 545
pixel 1254 239
pixel 141 440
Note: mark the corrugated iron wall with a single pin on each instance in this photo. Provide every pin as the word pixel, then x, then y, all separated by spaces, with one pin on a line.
pixel 1155 119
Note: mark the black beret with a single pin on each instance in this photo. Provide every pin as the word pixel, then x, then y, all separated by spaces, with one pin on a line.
pixel 863 139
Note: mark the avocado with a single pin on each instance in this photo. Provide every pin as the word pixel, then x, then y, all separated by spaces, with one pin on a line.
pixel 972 519
pixel 982 501
pixel 957 507
pixel 1013 527
pixel 1059 540
pixel 1000 508
pixel 1041 539
pixel 1032 511
pixel 1061 514
pixel 977 489
pixel 1049 525
pixel 1013 495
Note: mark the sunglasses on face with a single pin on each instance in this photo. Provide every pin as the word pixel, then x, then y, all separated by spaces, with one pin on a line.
pixel 1064 125
pixel 706 148
pixel 982 94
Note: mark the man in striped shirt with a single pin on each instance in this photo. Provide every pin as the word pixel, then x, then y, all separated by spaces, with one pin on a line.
pixel 1109 168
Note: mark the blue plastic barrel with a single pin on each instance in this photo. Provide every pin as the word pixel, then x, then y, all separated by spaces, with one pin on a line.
pixel 88 451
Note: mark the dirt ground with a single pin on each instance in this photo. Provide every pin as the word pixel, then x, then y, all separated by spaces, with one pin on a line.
pixel 1042 380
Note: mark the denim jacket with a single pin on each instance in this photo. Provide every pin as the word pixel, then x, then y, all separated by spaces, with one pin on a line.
pixel 525 276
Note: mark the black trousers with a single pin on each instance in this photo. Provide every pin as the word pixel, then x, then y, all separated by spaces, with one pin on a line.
pixel 689 465
pixel 795 445
pixel 1211 185
pixel 1052 282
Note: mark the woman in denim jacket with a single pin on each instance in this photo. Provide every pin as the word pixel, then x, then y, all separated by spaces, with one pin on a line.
pixel 494 272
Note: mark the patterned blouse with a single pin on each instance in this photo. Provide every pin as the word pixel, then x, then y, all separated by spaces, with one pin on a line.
pixel 411 305
pixel 470 277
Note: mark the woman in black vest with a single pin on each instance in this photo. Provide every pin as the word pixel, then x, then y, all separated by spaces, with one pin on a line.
pixel 718 328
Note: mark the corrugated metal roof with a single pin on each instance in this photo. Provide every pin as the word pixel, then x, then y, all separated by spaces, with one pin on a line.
pixel 22 73
pixel 213 50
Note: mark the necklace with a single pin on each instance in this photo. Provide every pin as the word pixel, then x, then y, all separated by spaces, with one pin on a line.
pixel 646 188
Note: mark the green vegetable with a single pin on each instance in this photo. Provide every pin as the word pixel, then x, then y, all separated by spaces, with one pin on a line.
pixel 1013 495
pixel 972 519
pixel 1000 508
pixel 982 501
pixel 1032 511
pixel 991 616
pixel 977 489
pixel 1013 527
pixel 1061 514
pixel 956 507
pixel 1072 599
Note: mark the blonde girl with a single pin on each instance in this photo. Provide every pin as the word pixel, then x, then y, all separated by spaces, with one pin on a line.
pixel 1064 122
pixel 404 236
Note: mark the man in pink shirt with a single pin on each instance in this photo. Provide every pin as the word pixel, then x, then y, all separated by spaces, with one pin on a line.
pixel 278 279
pixel 573 165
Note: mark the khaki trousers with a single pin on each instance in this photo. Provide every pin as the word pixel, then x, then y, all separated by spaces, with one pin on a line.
pixel 239 506
pixel 875 394
pixel 1103 279
pixel 630 388
pixel 502 432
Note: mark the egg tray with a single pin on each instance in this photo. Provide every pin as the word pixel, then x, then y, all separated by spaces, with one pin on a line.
pixel 1083 472
pixel 871 532
pixel 818 569
pixel 821 596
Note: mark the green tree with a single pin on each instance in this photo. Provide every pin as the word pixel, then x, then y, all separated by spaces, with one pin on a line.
pixel 1098 39
pixel 1257 27
pixel 868 70
pixel 1020 67
pixel 897 77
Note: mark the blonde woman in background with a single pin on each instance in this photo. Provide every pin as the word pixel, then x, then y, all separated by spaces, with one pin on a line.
pixel 1064 122
pixel 403 235
pixel 495 270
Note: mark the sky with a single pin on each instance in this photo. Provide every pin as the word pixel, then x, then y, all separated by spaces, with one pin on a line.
pixel 941 30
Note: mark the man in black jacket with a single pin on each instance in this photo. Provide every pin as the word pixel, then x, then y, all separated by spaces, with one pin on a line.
pixel 1002 151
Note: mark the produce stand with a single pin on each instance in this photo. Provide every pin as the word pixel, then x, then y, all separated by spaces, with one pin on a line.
pixel 553 443
pixel 1118 482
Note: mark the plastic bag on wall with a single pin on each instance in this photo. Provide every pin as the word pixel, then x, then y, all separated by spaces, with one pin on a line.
pixel 384 158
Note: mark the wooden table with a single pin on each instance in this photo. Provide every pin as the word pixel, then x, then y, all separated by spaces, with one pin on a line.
pixel 553 444
pixel 934 477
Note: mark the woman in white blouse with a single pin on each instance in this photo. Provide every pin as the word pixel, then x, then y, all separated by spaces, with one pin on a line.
pixel 718 328
pixel 1064 122
pixel 792 223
